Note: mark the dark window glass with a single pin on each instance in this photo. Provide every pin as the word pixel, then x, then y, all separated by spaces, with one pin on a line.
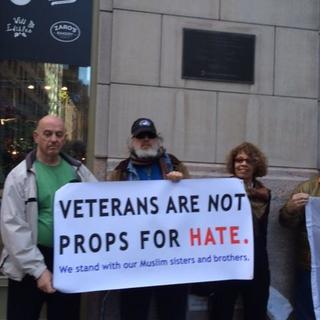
pixel 29 91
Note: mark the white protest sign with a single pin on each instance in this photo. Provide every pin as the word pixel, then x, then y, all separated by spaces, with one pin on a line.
pixel 113 235
pixel 313 228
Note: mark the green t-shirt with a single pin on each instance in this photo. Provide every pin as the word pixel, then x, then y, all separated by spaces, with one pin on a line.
pixel 49 180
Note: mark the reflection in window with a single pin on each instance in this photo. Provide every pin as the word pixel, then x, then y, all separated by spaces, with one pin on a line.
pixel 29 91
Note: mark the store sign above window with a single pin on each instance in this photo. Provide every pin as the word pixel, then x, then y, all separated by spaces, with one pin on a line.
pixel 56 31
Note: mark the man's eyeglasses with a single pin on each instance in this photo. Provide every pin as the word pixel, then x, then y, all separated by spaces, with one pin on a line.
pixel 144 135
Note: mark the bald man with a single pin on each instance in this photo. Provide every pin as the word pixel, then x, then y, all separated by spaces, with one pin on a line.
pixel 26 222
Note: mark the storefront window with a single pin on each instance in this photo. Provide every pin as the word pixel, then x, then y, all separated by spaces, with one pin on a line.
pixel 30 90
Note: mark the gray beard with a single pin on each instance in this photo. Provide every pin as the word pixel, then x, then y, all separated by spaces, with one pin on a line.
pixel 149 153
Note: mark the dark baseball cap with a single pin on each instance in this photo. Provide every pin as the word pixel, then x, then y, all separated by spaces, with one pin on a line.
pixel 143 125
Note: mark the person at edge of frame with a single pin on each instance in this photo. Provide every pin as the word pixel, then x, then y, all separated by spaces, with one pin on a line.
pixel 148 160
pixel 26 222
pixel 292 215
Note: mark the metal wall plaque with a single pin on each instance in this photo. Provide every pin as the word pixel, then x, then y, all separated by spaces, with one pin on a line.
pixel 218 56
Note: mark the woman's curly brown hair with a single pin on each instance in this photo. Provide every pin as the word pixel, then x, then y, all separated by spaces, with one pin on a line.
pixel 260 162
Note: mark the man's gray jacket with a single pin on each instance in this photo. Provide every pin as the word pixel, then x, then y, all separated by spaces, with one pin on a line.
pixel 19 218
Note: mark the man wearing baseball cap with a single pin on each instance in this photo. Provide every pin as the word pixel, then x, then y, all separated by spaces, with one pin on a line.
pixel 148 160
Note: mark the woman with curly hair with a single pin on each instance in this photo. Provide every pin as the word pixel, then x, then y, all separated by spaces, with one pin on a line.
pixel 247 162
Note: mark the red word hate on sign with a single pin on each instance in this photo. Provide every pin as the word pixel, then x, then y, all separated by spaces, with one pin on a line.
pixel 214 236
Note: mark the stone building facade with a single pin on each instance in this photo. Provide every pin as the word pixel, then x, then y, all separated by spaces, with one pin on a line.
pixel 138 73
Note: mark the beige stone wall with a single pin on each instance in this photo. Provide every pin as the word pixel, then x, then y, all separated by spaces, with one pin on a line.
pixel 139 74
